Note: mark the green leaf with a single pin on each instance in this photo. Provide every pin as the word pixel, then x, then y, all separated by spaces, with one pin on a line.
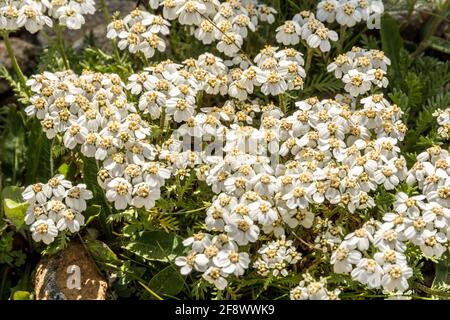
pixel 68 170
pixel 391 41
pixel 440 44
pixel 38 155
pixel 168 281
pixel 442 274
pixel 15 211
pixel 101 252
pixel 91 213
pixel 22 295
pixel 155 245
pixel 13 193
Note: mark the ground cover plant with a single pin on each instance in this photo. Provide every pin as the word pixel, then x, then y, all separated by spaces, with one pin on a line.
pixel 231 149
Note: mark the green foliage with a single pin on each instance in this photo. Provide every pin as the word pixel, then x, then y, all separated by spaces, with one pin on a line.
pixel 38 155
pixel 155 245
pixel 9 256
pixel 137 247
pixel 14 207
pixel 391 42
pixel 101 253
pixel 168 281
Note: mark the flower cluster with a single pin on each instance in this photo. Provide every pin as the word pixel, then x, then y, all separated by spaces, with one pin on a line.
pixel 305 26
pixel 350 12
pixel 281 180
pixel 34 15
pixel 310 289
pixel 91 111
pixel 228 23
pixel 330 154
pixel 140 31
pixel 217 257
pixel 359 69
pixel 55 206
pixel 420 220
pixel 443 120
pixel 275 258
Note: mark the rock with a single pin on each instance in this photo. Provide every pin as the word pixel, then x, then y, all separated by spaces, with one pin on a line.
pixel 52 277
pixel 24 51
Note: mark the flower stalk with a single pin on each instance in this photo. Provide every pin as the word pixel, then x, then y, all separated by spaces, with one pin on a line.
pixel 12 56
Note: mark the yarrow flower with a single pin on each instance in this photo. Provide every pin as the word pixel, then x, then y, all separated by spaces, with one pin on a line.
pixel 359 69
pixel 34 15
pixel 310 289
pixel 54 207
pixel 139 32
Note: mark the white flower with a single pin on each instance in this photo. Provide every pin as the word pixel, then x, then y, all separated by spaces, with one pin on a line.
pixel 59 185
pixel 432 243
pixel 263 212
pixel 215 276
pixel 37 192
pixel 70 219
pixel 70 16
pixel 129 40
pixel 198 241
pixel 205 32
pixel 273 82
pixel 77 196
pixel 298 197
pixel 321 39
pixel 230 43
pixel 190 12
pixel 35 212
pixel 31 16
pixel 74 135
pixel 232 262
pixel 356 82
pixel 437 214
pixel 119 191
pixel 326 10
pixel 359 239
pixel 145 196
pixel 343 258
pixel 385 175
pixel 390 256
pixel 368 272
pixel 181 108
pixel 242 229
pixel 288 33
pixel 395 277
pixel 193 260
pixel 347 14
pixel 44 230
pixel 410 206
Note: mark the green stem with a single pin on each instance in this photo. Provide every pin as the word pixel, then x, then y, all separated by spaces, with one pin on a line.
pixel 16 159
pixel 83 243
pixel 309 55
pixel 105 11
pixel 430 28
pixel 162 123
pixel 52 165
pixel 14 62
pixel 340 43
pixel 283 105
pixel 2 286
pixel 431 291
pixel 62 49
